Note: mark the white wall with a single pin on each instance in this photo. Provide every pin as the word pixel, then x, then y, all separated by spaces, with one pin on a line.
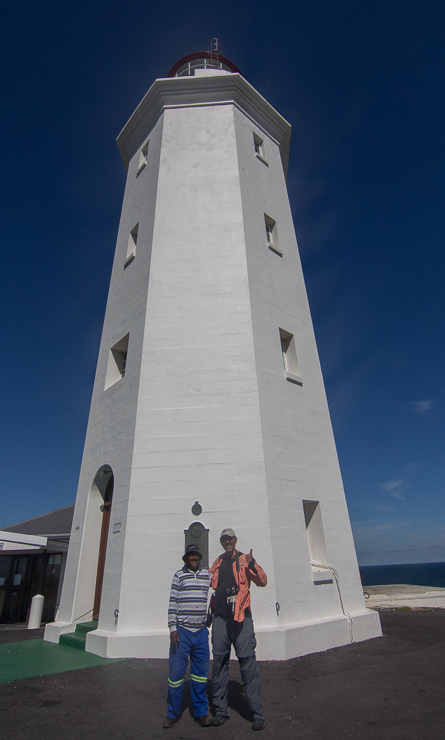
pixel 110 434
pixel 16 541
pixel 300 454
pixel 198 432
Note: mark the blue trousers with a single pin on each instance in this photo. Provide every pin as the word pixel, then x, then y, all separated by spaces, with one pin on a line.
pixel 195 645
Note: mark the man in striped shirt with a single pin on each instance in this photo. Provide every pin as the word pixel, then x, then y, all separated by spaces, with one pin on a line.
pixel 189 636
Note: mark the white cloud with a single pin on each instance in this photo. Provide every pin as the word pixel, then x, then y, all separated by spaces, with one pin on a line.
pixel 371 529
pixel 398 542
pixel 375 507
pixel 394 488
pixel 391 485
pixel 423 407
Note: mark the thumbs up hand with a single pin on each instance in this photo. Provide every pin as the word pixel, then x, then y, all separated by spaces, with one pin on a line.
pixel 250 557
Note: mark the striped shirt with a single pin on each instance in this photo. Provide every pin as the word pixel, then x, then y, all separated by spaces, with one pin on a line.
pixel 188 599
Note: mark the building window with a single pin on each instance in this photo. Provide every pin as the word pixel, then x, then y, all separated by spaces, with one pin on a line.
pixel 131 246
pixel 321 573
pixel 259 148
pixel 272 235
pixel 259 145
pixel 117 362
pixel 143 156
pixel 290 361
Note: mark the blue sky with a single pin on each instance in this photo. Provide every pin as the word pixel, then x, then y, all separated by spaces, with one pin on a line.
pixel 362 85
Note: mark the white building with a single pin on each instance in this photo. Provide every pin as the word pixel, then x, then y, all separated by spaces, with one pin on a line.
pixel 32 561
pixel 208 392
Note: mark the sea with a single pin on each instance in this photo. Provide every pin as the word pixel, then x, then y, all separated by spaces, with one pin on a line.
pixel 416 574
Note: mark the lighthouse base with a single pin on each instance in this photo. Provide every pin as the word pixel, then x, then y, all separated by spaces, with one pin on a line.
pixel 273 643
pixel 303 638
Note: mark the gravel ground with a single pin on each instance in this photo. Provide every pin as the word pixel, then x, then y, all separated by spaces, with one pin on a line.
pixel 390 687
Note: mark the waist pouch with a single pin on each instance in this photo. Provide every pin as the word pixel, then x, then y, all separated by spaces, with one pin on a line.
pixel 247 613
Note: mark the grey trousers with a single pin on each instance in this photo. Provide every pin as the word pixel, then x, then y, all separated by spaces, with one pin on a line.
pixel 225 633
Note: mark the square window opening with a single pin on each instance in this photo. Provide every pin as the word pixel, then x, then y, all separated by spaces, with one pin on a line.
pixel 117 362
pixel 259 145
pixel 131 246
pixel 290 360
pixel 321 574
pixel 272 235
pixel 143 156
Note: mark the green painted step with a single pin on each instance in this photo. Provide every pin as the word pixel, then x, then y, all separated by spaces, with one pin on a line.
pixel 84 627
pixel 73 640
pixel 78 638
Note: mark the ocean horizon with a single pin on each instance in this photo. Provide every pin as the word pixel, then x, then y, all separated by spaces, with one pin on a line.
pixel 415 574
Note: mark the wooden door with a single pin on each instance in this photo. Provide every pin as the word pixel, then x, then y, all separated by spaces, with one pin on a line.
pixel 103 546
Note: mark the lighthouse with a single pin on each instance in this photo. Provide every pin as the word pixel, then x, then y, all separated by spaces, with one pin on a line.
pixel 208 409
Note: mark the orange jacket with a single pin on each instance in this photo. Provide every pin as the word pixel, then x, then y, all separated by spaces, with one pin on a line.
pixel 243 578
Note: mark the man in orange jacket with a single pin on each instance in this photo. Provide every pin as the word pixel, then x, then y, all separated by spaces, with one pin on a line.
pixel 232 574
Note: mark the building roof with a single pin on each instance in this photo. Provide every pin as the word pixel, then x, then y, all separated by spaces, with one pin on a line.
pixel 181 92
pixel 54 522
pixel 216 58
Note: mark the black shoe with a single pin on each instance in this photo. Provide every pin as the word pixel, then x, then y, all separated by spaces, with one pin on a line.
pixel 259 724
pixel 203 721
pixel 168 722
pixel 219 719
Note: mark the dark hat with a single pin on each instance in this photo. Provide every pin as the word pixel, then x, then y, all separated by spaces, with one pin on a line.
pixel 191 549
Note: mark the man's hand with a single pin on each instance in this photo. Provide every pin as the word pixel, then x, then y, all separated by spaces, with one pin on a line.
pixel 249 557
pixel 174 638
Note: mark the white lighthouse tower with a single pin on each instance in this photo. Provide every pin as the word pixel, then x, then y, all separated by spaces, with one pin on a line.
pixel 209 409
